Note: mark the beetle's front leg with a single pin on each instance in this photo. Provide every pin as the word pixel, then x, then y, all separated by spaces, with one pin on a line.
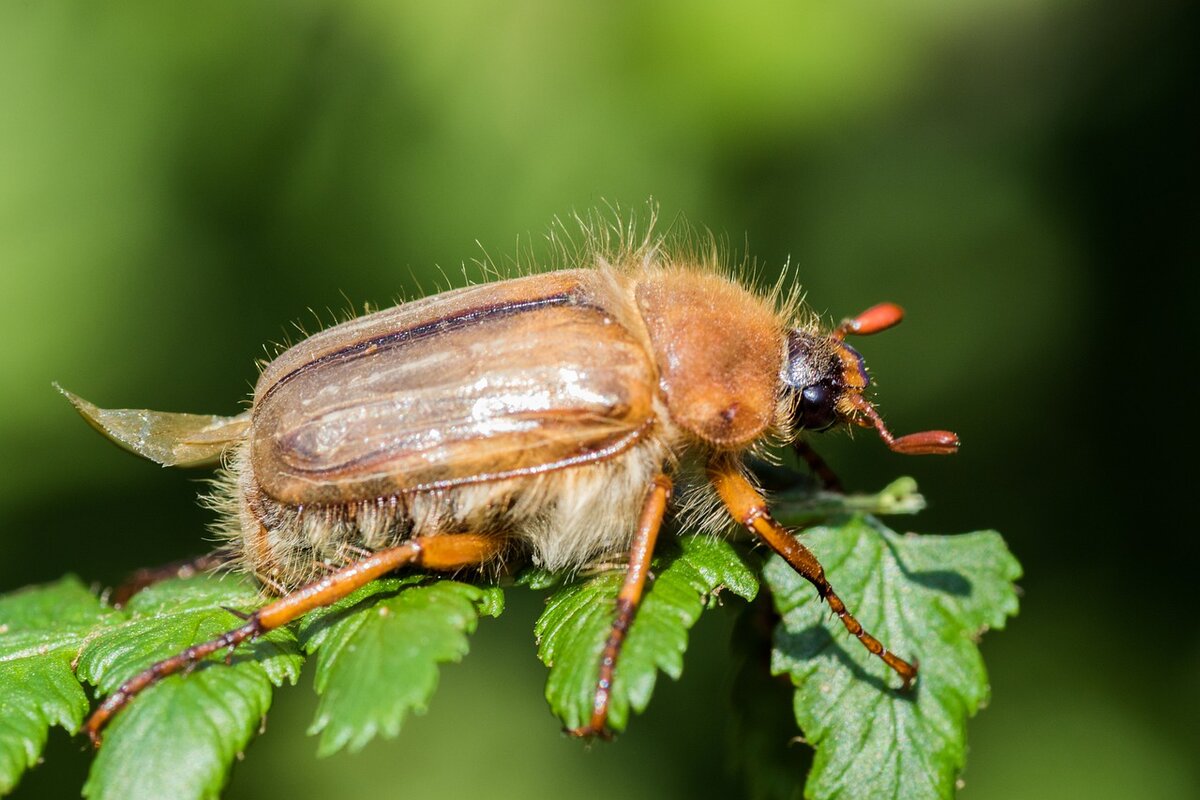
pixel 749 508
pixel 628 600
pixel 818 467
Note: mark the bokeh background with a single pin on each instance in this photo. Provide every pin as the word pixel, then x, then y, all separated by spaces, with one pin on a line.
pixel 179 184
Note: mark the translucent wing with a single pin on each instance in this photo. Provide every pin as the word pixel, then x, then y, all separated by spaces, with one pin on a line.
pixel 173 440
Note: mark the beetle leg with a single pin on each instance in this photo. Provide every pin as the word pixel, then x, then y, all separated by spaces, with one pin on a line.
pixel 444 552
pixel 820 469
pixel 628 600
pixel 148 576
pixel 748 507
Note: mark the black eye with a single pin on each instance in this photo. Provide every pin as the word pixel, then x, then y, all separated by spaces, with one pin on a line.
pixel 817 407
pixel 816 395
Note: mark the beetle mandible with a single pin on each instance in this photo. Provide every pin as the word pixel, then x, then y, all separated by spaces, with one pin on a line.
pixel 542 417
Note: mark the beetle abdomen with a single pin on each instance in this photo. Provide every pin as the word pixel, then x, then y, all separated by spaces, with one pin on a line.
pixel 561 519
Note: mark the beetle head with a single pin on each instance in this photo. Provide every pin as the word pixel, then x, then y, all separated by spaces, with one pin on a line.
pixel 829 379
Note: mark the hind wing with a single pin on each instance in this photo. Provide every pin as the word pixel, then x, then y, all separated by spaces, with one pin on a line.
pixel 173 440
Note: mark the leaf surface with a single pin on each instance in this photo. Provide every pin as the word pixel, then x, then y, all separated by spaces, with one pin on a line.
pixel 925 597
pixel 180 737
pixel 41 631
pixel 378 652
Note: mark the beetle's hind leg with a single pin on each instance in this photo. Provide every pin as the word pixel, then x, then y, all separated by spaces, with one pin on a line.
pixel 748 507
pixel 628 600
pixel 148 576
pixel 445 552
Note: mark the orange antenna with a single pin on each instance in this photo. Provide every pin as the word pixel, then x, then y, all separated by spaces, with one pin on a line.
pixel 875 319
pixel 924 443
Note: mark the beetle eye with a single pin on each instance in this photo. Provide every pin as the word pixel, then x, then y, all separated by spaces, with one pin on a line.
pixel 816 395
pixel 817 407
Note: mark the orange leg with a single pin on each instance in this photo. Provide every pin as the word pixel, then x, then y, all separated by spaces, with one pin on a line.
pixel 748 507
pixel 148 576
pixel 628 600
pixel 445 552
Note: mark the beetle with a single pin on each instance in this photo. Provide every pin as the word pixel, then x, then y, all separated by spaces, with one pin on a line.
pixel 544 417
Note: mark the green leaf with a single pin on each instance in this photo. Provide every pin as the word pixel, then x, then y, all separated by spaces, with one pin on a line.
pixel 41 630
pixel 928 597
pixel 378 652
pixel 537 578
pixel 800 506
pixel 576 622
pixel 179 738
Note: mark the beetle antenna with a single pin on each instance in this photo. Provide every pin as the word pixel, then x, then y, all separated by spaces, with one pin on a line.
pixel 924 443
pixel 875 319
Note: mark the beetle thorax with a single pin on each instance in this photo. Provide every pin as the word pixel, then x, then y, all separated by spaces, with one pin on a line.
pixel 718 348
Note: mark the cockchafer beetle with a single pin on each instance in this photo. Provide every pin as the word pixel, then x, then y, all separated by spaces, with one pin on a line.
pixel 544 417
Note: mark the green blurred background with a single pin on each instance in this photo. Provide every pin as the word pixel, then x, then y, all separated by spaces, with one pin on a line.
pixel 177 186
